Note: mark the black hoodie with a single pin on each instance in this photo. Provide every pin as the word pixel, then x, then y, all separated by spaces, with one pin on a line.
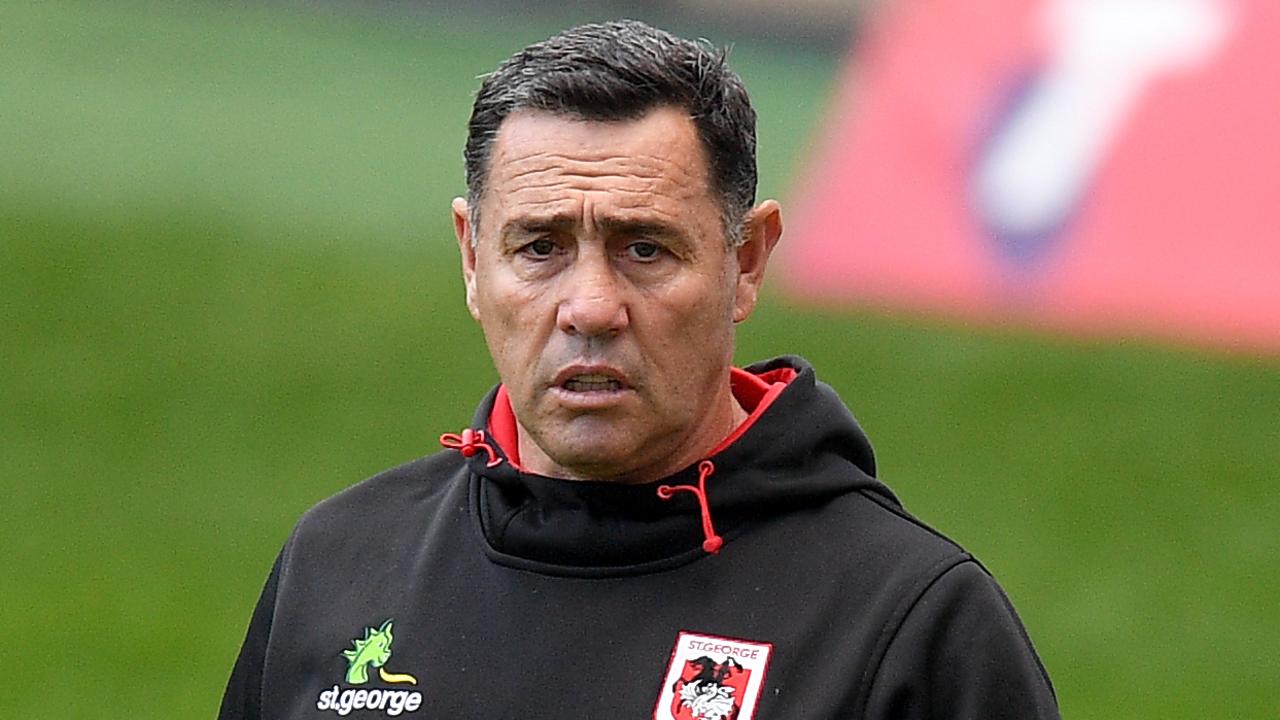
pixel 777 578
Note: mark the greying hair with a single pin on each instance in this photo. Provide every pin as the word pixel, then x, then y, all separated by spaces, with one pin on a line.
pixel 617 71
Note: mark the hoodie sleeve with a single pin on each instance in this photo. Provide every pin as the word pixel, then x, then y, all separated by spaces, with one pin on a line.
pixel 961 653
pixel 243 697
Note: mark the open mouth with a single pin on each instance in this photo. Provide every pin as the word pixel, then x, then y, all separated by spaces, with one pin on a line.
pixel 591 383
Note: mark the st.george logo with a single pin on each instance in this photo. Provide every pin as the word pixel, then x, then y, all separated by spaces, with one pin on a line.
pixel 712 678
pixel 372 650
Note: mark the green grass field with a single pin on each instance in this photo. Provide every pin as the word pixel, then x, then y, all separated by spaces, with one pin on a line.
pixel 228 289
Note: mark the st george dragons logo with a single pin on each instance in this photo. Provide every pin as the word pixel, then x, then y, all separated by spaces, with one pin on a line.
pixel 710 690
pixel 387 696
pixel 712 678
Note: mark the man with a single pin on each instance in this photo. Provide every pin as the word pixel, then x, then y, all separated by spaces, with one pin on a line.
pixel 631 527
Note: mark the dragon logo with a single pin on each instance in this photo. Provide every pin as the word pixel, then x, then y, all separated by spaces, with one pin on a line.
pixel 713 678
pixel 708 690
pixel 374 649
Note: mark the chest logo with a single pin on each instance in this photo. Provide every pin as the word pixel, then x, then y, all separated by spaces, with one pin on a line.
pixel 371 651
pixel 712 678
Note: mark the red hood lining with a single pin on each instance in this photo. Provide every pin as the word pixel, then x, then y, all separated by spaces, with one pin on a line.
pixel 755 393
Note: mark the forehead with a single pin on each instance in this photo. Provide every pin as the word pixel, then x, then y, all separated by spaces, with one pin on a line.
pixel 555 164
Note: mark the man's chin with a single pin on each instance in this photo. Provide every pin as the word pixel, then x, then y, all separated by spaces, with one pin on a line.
pixel 610 445
pixel 603 456
pixel 596 464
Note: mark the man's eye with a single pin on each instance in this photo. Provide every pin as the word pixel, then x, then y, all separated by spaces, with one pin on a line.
pixel 540 248
pixel 644 250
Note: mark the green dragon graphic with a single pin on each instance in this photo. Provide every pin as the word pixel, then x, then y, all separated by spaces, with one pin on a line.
pixel 373 650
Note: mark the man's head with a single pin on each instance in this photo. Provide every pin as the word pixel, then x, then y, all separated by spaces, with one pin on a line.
pixel 597 260
pixel 620 71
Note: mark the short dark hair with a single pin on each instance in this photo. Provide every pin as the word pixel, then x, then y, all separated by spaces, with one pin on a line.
pixel 621 70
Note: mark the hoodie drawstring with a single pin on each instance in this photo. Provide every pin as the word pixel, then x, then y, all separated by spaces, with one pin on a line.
pixel 713 542
pixel 469 443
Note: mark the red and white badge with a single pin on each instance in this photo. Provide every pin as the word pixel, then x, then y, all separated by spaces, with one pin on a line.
pixel 712 678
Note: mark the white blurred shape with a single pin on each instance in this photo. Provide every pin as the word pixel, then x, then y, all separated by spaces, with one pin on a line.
pixel 1103 54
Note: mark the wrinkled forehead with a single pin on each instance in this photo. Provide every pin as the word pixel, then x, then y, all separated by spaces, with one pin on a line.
pixel 658 153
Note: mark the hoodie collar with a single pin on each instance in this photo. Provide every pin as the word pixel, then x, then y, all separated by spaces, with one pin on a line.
pixel 798 446
pixel 753 392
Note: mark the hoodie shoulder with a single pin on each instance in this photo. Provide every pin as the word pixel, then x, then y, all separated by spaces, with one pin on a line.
pixel 950 637
pixel 374 505
pixel 960 646
pixel 877 526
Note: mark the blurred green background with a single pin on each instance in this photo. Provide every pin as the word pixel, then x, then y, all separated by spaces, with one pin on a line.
pixel 228 289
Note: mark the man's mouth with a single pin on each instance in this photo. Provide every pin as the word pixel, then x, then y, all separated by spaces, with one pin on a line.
pixel 591 382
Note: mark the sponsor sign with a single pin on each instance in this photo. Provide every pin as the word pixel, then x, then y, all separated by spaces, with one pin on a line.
pixel 371 651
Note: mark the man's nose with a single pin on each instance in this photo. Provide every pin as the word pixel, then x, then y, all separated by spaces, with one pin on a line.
pixel 593 303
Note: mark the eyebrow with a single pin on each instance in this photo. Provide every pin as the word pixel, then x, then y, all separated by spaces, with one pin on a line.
pixel 611 226
pixel 536 224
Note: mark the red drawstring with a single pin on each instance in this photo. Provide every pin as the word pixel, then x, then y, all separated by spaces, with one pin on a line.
pixel 713 542
pixel 469 443
pixel 472 441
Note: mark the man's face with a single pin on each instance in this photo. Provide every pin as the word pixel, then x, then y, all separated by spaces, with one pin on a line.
pixel 606 292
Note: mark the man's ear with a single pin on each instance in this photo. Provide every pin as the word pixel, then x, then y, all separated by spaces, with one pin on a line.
pixel 760 233
pixel 463 230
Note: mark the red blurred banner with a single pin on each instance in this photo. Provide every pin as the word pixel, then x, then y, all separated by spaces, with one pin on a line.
pixel 1103 166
